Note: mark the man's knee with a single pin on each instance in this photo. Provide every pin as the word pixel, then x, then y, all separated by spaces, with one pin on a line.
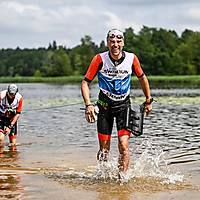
pixel 123 141
pixel 124 132
pixel 104 137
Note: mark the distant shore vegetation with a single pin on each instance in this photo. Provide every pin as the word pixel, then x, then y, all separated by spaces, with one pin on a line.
pixel 180 81
pixel 161 53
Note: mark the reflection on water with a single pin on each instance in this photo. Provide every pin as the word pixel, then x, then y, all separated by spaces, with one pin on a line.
pixel 54 137
pixel 119 196
pixel 10 155
pixel 10 186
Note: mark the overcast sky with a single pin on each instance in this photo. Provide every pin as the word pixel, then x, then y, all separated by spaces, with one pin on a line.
pixel 36 23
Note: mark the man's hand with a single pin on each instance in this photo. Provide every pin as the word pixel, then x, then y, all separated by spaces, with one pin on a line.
pixel 7 130
pixel 148 108
pixel 91 113
pixel 148 105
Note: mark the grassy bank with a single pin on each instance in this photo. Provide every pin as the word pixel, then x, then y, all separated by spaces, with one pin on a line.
pixel 172 81
pixel 56 80
pixel 155 81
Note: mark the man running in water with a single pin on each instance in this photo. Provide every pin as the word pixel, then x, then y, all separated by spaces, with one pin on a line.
pixel 10 109
pixel 114 69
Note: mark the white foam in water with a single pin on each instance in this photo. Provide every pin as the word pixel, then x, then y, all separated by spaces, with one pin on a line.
pixel 151 163
pixel 107 170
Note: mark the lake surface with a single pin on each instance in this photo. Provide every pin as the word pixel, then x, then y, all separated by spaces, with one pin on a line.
pixel 56 152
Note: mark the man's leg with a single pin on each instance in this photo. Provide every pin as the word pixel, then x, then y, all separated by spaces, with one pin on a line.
pixel 2 138
pixel 104 129
pixel 104 147
pixel 12 139
pixel 123 146
pixel 13 135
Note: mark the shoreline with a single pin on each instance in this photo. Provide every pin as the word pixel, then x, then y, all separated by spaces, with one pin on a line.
pixel 160 82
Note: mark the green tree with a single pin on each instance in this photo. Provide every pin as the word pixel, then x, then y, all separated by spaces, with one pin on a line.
pixel 188 53
pixel 146 50
pixel 131 41
pixel 58 63
pixel 102 46
pixel 82 54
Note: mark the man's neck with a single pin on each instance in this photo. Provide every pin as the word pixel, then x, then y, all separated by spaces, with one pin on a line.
pixel 116 61
pixel 10 100
pixel 116 57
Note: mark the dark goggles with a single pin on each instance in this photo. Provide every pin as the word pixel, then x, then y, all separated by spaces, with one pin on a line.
pixel 117 36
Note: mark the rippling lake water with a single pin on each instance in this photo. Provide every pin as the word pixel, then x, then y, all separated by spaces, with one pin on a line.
pixel 56 154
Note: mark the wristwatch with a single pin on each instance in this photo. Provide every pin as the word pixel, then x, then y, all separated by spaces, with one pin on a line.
pixel 149 101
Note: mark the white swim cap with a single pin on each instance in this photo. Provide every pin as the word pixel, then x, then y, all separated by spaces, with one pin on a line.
pixel 12 89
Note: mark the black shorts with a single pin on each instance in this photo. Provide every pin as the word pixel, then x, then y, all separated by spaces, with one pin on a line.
pixel 6 123
pixel 108 113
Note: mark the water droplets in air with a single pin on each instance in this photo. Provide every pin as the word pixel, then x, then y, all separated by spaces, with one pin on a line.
pixel 148 171
pixel 149 163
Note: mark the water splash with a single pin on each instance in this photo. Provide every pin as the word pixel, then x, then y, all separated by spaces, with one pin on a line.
pixel 150 163
pixel 148 172
pixel 106 170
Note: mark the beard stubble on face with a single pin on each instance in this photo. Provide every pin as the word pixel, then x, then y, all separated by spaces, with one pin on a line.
pixel 116 53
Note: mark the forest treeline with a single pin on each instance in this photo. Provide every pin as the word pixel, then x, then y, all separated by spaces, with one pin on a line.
pixel 160 51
